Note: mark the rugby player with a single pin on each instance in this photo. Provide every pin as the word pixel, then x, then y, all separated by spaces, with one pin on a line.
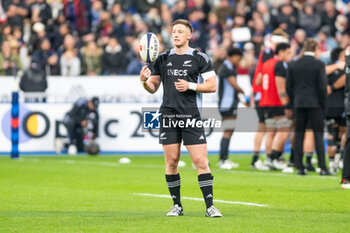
pixel 185 74
pixel 277 36
pixel 228 102
pixel 336 121
pixel 345 181
pixel 273 99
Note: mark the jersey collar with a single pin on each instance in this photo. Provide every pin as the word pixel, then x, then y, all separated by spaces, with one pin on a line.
pixel 312 54
pixel 189 51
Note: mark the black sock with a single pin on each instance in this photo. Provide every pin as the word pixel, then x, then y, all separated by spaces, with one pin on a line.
pixel 205 182
pixel 225 142
pixel 174 183
pixel 275 154
pixel 291 158
pixel 255 157
pixel 309 158
pixel 269 156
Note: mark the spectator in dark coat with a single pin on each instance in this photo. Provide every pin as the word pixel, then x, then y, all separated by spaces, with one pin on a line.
pixel 310 20
pixel 16 12
pixel 46 58
pixel 329 15
pixel 286 19
pixel 40 11
pixel 113 58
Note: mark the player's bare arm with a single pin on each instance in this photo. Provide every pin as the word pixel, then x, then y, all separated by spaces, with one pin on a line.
pixel 330 69
pixel 340 83
pixel 233 82
pixel 208 86
pixel 281 88
pixel 150 83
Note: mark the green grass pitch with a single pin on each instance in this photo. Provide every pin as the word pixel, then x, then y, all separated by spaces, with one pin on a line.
pixel 97 194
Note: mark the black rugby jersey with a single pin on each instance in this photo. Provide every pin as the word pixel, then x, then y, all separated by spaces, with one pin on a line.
pixel 281 69
pixel 228 97
pixel 335 101
pixel 194 66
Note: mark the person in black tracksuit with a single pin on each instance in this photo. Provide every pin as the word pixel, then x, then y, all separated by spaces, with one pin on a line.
pixel 83 115
pixel 306 87
pixel 346 169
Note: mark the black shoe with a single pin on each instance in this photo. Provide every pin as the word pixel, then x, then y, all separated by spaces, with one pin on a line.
pixel 325 172
pixel 301 172
pixel 310 168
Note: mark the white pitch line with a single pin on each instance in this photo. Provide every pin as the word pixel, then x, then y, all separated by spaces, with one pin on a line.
pixel 201 199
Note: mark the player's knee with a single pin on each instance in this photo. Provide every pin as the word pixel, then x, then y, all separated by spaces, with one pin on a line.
pixel 228 133
pixel 200 163
pixel 172 163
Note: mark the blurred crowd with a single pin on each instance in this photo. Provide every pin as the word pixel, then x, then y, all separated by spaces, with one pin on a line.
pixel 101 37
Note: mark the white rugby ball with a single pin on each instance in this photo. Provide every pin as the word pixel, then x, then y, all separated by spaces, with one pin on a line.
pixel 149 47
pixel 124 160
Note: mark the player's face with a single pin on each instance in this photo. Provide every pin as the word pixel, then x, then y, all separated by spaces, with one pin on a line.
pixel 235 60
pixel 287 55
pixel 91 106
pixel 181 35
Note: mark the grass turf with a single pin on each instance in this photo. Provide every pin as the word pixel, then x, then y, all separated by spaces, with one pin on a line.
pixel 96 194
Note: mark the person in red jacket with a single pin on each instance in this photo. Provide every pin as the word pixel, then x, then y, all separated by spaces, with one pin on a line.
pixel 276 37
pixel 273 99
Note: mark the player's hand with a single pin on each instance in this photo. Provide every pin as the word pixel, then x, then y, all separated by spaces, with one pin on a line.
pixel 252 101
pixel 83 123
pixel 181 85
pixel 329 90
pixel 347 50
pixel 145 73
pixel 341 65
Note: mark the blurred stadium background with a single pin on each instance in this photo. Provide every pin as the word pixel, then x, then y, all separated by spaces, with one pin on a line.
pixel 90 48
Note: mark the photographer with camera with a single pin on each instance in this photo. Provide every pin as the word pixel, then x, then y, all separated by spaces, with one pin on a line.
pixel 82 124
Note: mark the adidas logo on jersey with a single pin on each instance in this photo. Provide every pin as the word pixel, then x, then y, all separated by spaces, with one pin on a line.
pixel 201 137
pixel 169 64
pixel 186 63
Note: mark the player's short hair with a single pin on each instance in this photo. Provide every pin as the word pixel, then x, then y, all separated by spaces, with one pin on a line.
pixel 335 54
pixel 183 22
pixel 310 45
pixel 233 51
pixel 282 47
pixel 95 101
